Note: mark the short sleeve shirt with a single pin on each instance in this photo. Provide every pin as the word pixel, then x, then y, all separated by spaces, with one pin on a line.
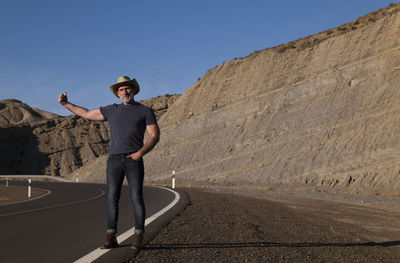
pixel 127 126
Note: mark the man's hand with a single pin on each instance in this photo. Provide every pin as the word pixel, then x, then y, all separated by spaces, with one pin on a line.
pixel 154 136
pixel 63 99
pixel 137 156
pixel 93 115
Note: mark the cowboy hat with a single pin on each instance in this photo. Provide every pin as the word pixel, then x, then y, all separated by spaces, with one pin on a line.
pixel 125 81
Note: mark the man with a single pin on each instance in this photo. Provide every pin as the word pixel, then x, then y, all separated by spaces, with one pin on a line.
pixel 128 123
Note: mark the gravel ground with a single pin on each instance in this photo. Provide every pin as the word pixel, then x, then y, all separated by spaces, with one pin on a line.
pixel 223 227
pixel 10 194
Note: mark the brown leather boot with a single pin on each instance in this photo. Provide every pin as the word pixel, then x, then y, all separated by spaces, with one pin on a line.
pixel 138 243
pixel 111 241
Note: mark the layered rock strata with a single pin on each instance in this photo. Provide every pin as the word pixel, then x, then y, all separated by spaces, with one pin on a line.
pixel 320 111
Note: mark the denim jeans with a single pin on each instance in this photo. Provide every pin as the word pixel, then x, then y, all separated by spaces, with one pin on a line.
pixel 118 166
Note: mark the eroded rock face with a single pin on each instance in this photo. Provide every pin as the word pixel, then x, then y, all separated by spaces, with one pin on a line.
pixel 52 147
pixel 31 143
pixel 323 114
pixel 14 112
pixel 160 104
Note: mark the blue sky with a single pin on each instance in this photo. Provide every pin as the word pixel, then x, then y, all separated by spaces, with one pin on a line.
pixel 83 46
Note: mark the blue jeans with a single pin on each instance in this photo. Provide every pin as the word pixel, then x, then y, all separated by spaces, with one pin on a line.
pixel 118 166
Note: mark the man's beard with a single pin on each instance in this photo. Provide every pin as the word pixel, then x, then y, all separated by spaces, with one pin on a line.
pixel 127 99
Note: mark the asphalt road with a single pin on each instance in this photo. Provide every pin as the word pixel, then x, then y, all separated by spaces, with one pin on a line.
pixel 70 222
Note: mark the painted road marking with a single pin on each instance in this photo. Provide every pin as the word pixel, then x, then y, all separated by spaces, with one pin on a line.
pixel 30 199
pixel 95 254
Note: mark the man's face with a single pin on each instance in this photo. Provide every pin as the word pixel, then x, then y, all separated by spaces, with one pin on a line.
pixel 125 93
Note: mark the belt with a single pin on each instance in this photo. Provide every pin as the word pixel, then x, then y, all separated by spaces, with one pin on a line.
pixel 121 154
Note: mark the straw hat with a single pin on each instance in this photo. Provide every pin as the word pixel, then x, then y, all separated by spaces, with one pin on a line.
pixel 125 81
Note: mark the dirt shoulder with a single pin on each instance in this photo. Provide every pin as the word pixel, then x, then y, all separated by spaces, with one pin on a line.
pixel 11 194
pixel 225 227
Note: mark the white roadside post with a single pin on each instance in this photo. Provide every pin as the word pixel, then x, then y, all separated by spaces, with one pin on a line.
pixel 29 188
pixel 173 179
pixel 7 181
pixel 77 177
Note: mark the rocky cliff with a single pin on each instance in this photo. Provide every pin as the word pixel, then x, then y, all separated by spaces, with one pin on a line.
pixel 319 111
pixel 14 112
pixel 33 141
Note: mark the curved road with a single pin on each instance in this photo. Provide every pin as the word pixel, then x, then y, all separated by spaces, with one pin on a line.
pixel 69 223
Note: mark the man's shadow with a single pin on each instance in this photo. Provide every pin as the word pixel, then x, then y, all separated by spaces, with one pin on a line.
pixel 268 244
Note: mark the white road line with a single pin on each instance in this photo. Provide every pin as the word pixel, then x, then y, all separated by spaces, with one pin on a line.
pixel 30 199
pixel 95 254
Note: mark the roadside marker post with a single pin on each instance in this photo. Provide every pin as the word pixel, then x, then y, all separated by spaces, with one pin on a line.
pixel 77 177
pixel 29 187
pixel 173 179
pixel 6 181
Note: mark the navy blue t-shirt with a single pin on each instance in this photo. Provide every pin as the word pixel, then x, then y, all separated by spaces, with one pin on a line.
pixel 127 126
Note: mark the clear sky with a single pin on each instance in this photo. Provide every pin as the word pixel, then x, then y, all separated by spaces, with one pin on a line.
pixel 83 46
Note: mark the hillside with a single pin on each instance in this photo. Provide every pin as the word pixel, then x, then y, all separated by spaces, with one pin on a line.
pixel 14 112
pixel 317 112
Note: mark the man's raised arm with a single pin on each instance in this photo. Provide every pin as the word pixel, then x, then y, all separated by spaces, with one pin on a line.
pixel 93 115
